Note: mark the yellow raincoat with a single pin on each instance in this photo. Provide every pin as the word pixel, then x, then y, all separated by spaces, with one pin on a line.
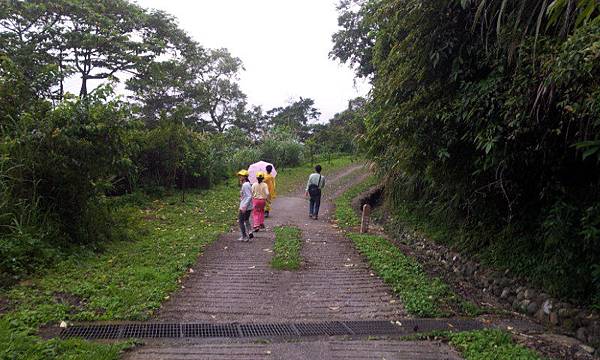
pixel 270 181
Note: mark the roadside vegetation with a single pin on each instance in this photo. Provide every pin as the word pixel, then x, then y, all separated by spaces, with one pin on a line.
pixel 490 344
pixel 421 295
pixel 484 123
pixel 286 251
pixel 124 280
pixel 345 215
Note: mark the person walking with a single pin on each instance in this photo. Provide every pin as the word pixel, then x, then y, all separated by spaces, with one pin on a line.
pixel 270 181
pixel 316 182
pixel 245 206
pixel 260 194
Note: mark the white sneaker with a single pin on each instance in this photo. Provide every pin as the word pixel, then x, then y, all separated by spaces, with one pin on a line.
pixel 243 238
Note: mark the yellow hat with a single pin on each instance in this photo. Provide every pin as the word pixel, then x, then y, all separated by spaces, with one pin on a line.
pixel 260 175
pixel 243 172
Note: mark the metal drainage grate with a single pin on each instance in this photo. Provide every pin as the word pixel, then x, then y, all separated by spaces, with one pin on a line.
pixel 151 331
pixel 328 328
pixel 373 327
pixel 210 330
pixel 234 330
pixel 253 330
pixel 427 325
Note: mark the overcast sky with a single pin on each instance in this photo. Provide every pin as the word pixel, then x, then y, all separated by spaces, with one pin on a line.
pixel 284 45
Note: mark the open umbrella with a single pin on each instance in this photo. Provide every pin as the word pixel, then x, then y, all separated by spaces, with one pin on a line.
pixel 260 166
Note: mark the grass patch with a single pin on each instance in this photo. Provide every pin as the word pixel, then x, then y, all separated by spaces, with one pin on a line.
pixel 22 346
pixel 345 215
pixel 421 295
pixel 287 248
pixel 127 280
pixel 490 344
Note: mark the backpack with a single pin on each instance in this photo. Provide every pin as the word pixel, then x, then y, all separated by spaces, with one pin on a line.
pixel 314 190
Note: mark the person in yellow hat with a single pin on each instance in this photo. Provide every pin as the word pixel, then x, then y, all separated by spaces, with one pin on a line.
pixel 270 181
pixel 260 194
pixel 245 206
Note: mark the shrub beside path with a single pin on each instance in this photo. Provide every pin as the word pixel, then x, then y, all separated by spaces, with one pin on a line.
pixel 234 282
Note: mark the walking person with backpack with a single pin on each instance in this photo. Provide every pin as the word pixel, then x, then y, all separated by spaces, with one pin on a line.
pixel 316 182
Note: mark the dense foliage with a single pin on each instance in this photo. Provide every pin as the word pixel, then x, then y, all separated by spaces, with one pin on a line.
pixel 185 122
pixel 485 117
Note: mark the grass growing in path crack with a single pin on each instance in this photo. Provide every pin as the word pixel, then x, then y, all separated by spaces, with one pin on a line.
pixel 490 344
pixel 481 344
pixel 420 294
pixel 287 248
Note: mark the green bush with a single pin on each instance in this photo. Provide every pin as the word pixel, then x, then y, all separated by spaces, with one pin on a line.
pixel 282 149
pixel 173 155
pixel 56 166
pixel 242 158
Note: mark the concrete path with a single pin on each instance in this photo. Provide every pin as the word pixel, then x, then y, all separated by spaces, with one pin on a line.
pixel 234 282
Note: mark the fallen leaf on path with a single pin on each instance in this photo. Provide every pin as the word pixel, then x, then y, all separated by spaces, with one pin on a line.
pixel 252 267
pixel 225 248
pixel 212 316
pixel 191 270
pixel 334 308
pixel 392 301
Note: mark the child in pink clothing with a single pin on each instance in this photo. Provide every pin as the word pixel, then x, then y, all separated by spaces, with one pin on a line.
pixel 260 194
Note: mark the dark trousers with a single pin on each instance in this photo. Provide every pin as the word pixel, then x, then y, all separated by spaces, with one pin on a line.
pixel 244 220
pixel 315 203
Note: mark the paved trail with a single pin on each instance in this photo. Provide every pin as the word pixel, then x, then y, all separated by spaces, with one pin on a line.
pixel 233 282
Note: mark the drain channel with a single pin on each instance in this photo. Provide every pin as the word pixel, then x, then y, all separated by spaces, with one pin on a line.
pixel 234 330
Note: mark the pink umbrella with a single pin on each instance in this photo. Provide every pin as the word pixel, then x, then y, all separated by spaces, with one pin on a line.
pixel 260 166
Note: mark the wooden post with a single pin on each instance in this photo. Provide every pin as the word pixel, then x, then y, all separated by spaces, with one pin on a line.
pixel 364 224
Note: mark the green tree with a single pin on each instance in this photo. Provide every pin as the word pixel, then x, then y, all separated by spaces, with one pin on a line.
pixel 295 117
pixel 94 40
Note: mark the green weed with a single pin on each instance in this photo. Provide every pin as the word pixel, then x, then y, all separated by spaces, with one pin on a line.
pixel 288 241
pixel 344 213
pixel 490 344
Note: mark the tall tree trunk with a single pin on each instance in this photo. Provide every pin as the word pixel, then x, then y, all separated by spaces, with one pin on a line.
pixel 83 92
